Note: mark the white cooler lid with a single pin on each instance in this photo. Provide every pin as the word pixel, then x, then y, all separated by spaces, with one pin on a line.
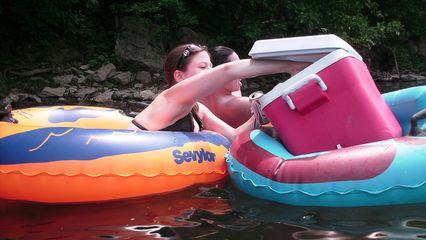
pixel 303 49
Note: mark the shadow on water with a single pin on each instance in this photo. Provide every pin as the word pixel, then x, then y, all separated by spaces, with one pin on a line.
pixel 386 222
pixel 207 212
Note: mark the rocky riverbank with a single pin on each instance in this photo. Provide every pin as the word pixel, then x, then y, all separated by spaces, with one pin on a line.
pixel 80 85
pixel 108 86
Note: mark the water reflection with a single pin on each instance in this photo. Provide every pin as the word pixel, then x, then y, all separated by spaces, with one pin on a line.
pixel 147 218
pixel 207 212
pixel 386 222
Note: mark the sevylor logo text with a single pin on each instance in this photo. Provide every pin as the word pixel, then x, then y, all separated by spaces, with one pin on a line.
pixel 189 156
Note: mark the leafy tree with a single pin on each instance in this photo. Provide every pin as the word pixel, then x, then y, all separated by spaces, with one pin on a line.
pixel 382 31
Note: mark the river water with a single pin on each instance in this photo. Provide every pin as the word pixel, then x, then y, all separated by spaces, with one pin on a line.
pixel 207 212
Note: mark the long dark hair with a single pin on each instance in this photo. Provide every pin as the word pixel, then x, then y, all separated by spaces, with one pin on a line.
pixel 179 58
pixel 220 55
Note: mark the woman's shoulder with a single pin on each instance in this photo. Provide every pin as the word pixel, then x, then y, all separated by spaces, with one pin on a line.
pixel 235 101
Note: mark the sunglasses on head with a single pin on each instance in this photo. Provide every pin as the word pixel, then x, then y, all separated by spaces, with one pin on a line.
pixel 191 48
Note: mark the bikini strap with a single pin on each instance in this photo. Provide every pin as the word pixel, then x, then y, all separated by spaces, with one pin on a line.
pixel 138 125
pixel 185 124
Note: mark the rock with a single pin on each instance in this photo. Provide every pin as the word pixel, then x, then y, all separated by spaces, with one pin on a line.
pixel 77 71
pixel 122 78
pixel 143 77
pixel 138 45
pixel 412 77
pixel 103 97
pixel 83 92
pixel 138 86
pixel 187 35
pixel 157 75
pixel 81 79
pixel 381 76
pixel 52 92
pixel 63 80
pixel 394 77
pixel 123 94
pixel 19 97
pixel 85 67
pixel 71 91
pixel 90 72
pixel 104 72
pixel 144 95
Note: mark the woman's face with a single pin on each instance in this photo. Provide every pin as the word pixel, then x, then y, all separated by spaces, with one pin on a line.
pixel 234 85
pixel 199 62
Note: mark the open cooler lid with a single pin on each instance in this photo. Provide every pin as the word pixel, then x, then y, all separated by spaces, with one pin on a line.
pixel 302 49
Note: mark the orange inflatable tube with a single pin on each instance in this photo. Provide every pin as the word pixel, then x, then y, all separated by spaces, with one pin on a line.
pixel 67 154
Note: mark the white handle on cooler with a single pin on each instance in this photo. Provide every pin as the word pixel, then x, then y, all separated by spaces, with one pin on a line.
pixel 301 83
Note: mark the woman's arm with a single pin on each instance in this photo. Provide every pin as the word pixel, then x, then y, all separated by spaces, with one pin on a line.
pixel 211 80
pixel 213 123
pixel 177 101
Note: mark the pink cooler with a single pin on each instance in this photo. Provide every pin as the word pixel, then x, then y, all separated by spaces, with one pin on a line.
pixel 333 103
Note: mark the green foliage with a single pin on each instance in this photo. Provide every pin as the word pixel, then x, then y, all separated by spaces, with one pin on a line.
pixel 367 25
pixel 373 27
pixel 100 59
pixel 46 20
pixel 169 15
pixel 33 26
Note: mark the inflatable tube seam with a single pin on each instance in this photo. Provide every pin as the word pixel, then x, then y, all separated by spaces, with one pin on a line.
pixel 116 174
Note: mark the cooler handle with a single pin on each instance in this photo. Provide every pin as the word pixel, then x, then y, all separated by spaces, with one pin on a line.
pixel 300 84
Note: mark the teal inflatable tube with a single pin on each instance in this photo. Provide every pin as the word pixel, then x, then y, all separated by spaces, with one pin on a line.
pixel 387 172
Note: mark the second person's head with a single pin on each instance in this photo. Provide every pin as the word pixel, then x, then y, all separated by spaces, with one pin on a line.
pixel 220 55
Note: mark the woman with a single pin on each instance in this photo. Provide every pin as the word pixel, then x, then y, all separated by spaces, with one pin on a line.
pixel 227 103
pixel 191 77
